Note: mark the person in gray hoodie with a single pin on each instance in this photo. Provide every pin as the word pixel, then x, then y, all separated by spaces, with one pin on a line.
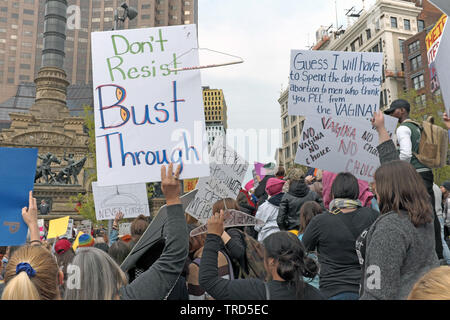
pixel 400 246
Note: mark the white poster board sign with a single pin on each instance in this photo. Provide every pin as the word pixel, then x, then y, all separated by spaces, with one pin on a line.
pixel 130 199
pixel 124 228
pixel 337 84
pixel 341 145
pixel 228 170
pixel 85 226
pixel 442 61
pixel 147 115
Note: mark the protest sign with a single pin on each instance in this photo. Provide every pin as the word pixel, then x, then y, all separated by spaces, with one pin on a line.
pixel 232 218
pixel 153 234
pixel 189 184
pixel 76 243
pixel 337 84
pixel 433 39
pixel 130 199
pixel 57 227
pixel 145 114
pixel 17 171
pixel 442 66
pixel 85 226
pixel 228 169
pixel 41 228
pixel 124 228
pixel 68 233
pixel 341 145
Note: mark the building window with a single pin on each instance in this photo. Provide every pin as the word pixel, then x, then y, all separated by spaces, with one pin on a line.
pixel 145 6
pixel 418 82
pixel 25 66
pixel 28 11
pixel 420 25
pixel 407 24
pixel 28 22
pixel 294 132
pixel 285 121
pixel 145 16
pixel 286 137
pixel 400 43
pixel 393 22
pixel 288 152
pixel 416 62
pixel 368 34
pixel 421 100
pixel 413 47
pixel 15 15
pixel 376 48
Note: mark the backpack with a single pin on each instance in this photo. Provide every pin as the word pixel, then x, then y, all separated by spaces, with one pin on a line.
pixel 254 254
pixel 433 144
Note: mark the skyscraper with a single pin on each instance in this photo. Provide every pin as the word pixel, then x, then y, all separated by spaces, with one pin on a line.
pixel 22 26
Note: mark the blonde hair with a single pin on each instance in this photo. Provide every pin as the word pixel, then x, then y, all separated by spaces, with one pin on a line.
pixel 43 286
pixel 434 285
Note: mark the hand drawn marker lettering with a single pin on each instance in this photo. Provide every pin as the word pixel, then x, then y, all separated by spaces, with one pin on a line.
pixel 13 226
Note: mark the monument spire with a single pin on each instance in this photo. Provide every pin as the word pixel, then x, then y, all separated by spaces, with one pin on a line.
pixel 51 82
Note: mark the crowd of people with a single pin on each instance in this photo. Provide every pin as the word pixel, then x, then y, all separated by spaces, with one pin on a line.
pixel 321 236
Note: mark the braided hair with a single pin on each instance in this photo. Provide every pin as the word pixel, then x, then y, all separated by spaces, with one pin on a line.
pixel 293 261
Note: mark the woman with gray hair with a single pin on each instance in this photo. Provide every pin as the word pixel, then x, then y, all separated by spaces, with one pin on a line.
pixel 94 275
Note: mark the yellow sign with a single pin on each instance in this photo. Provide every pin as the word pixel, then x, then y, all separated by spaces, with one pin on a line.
pixel 57 227
pixel 189 184
pixel 436 32
pixel 76 242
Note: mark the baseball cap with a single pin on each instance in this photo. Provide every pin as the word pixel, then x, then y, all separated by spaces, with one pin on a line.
pixel 62 246
pixel 397 104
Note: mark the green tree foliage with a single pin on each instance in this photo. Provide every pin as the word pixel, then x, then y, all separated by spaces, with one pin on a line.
pixel 420 111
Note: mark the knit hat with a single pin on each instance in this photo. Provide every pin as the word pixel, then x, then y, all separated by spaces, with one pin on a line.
pixel 295 174
pixel 274 186
pixel 249 185
pixel 85 240
pixel 446 185
pixel 62 246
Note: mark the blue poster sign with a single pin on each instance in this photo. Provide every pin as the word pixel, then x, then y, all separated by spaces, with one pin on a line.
pixel 17 171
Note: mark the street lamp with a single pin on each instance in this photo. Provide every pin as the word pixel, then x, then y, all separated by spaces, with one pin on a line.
pixel 128 12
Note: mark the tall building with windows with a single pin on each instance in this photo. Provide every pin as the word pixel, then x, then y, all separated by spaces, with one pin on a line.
pixel 21 36
pixel 215 113
pixel 383 28
pixel 417 72
pixel 291 130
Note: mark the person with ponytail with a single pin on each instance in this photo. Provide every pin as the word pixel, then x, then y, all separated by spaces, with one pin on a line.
pixel 285 261
pixel 32 272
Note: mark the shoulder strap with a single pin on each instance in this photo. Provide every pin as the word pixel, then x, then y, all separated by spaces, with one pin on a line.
pixel 267 291
pixel 230 266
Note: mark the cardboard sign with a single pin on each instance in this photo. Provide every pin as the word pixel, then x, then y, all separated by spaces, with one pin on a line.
pixel 57 227
pixel 441 62
pixel 145 114
pixel 130 199
pixel 124 228
pixel 336 84
pixel 153 233
pixel 341 145
pixel 228 170
pixel 17 172
pixel 433 40
pixel 232 218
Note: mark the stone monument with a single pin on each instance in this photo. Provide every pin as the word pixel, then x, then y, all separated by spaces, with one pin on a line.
pixel 49 127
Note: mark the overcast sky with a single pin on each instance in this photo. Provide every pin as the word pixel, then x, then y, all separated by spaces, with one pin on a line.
pixel 262 32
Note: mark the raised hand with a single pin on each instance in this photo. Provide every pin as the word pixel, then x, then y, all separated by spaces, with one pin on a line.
pixel 170 185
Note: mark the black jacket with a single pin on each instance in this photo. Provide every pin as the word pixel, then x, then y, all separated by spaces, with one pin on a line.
pixel 289 214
